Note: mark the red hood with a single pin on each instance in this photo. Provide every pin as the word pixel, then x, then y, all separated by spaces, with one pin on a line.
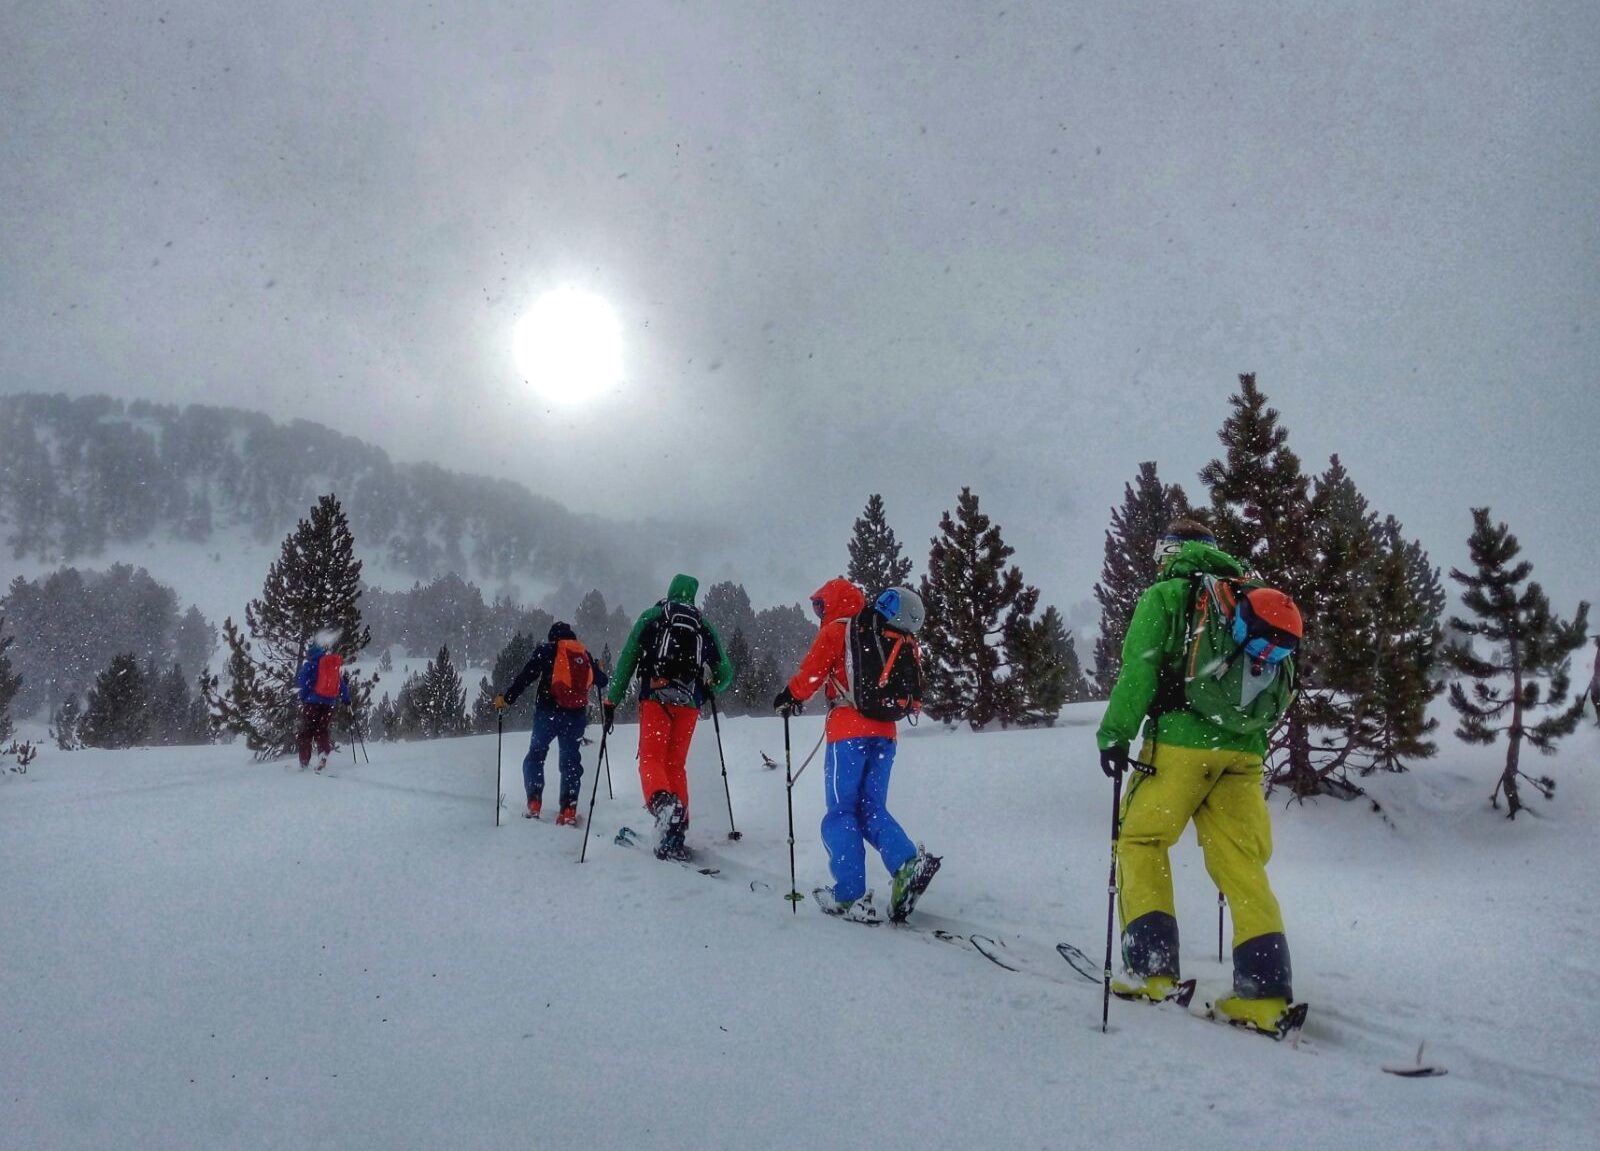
pixel 840 599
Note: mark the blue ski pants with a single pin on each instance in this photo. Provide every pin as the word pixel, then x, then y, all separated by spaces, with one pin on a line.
pixel 565 728
pixel 857 780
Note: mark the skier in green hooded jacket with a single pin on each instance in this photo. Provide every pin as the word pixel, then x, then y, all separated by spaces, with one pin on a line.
pixel 676 656
pixel 1190 767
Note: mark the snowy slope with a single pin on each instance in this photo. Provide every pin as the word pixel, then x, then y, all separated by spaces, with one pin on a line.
pixel 205 952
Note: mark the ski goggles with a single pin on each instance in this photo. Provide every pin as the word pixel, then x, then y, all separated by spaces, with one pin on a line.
pixel 1169 546
pixel 1267 645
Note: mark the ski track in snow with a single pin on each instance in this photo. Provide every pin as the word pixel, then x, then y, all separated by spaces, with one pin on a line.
pixel 203 951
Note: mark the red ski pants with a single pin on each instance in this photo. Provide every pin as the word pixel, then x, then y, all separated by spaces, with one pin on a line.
pixel 664 735
pixel 314 721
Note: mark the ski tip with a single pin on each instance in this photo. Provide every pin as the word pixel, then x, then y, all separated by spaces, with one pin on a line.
pixel 1185 993
pixel 1407 1071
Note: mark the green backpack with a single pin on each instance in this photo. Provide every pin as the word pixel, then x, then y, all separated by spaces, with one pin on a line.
pixel 1220 682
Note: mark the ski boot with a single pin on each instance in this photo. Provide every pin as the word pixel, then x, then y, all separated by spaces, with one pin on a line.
pixel 534 807
pixel 568 817
pixel 322 762
pixel 910 882
pixel 1153 989
pixel 672 822
pixel 855 911
pixel 1275 1018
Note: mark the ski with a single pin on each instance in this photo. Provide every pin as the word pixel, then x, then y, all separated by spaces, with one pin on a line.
pixel 1416 1069
pixel 627 837
pixel 1079 962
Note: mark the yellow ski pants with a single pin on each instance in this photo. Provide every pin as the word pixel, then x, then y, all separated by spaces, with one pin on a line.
pixel 1221 791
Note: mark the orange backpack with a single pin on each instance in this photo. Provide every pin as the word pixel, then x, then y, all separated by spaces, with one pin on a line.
pixel 571 675
pixel 329 668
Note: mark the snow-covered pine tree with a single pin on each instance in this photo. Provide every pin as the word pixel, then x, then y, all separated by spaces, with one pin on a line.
pixel 733 700
pixel 1045 663
pixel 1528 668
pixel 1129 568
pixel 64 724
pixel 118 712
pixel 1262 516
pixel 875 559
pixel 441 701
pixel 510 661
pixel 1335 664
pixel 314 585
pixel 1407 601
pixel 10 681
pixel 973 602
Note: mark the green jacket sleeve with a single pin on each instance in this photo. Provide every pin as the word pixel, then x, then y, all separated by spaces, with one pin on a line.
pixel 622 675
pixel 1142 655
pixel 722 669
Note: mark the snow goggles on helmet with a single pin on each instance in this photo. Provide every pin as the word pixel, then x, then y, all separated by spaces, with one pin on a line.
pixel 1268 630
pixel 1169 545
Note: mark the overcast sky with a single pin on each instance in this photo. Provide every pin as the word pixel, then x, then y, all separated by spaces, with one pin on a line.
pixel 853 248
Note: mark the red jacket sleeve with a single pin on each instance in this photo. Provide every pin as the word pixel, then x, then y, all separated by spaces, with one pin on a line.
pixel 825 659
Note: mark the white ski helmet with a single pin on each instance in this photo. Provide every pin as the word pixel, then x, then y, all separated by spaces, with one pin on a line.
pixel 902 608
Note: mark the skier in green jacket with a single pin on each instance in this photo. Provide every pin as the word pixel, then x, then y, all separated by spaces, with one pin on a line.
pixel 678 659
pixel 1190 767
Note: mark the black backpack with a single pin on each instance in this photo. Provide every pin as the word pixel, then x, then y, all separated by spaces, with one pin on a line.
pixel 885 668
pixel 674 650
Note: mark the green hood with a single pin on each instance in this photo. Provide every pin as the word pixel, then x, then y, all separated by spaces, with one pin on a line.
pixel 683 589
pixel 1197 558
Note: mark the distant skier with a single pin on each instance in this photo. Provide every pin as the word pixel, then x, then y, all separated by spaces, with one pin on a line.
pixel 323 686
pixel 1191 766
pixel 677 658
pixel 861 750
pixel 562 671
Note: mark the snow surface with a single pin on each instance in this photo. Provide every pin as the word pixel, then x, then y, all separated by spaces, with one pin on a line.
pixel 201 951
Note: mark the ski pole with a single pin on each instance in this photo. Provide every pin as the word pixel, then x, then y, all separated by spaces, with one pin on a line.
pixel 594 792
pixel 717 726
pixel 499 733
pixel 1219 926
pixel 794 895
pixel 603 757
pixel 1111 903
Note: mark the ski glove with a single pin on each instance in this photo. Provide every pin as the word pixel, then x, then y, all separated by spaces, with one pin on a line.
pixel 1114 760
pixel 499 703
pixel 608 716
pixel 786 704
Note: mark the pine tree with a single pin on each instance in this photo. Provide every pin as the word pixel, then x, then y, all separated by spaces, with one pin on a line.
pixel 1407 600
pixel 507 664
pixel 1527 646
pixel 441 701
pixel 875 560
pixel 1046 666
pixel 10 683
pixel 973 602
pixel 64 724
pixel 118 712
pixel 1336 663
pixel 1130 567
pixel 313 587
pixel 739 655
pixel 1262 516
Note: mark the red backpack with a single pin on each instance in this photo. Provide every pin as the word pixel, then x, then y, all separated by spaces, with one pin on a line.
pixel 329 669
pixel 571 675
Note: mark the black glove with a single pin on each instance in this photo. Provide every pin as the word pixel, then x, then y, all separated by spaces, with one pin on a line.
pixel 786 704
pixel 1114 760
pixel 608 716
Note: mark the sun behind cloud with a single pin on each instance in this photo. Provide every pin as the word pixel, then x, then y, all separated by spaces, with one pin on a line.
pixel 568 346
